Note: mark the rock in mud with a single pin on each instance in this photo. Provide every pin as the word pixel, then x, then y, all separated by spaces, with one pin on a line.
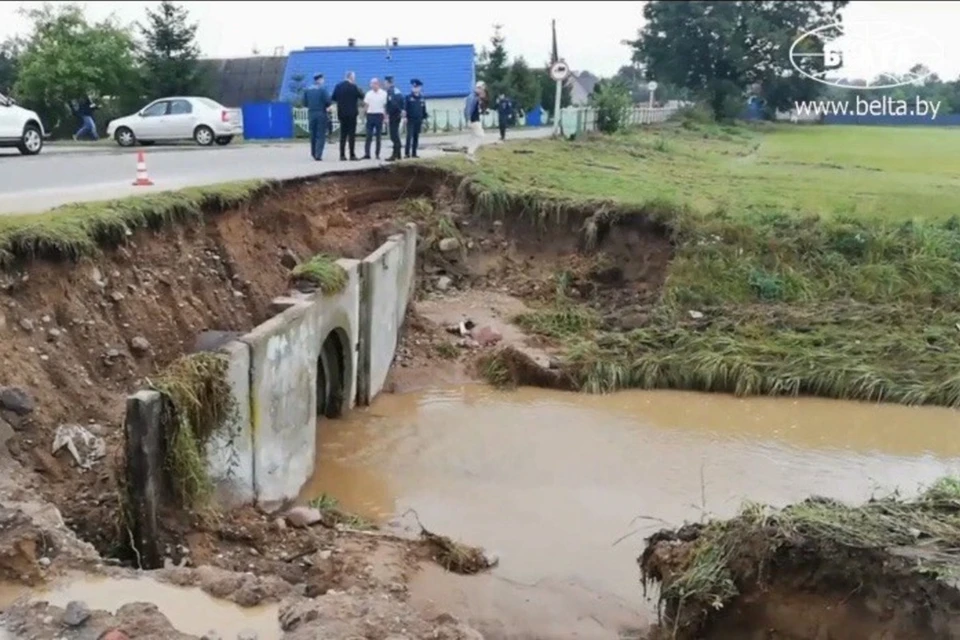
pixel 443 283
pixel 448 244
pixel 303 517
pixel 486 336
pixel 27 325
pixel 76 613
pixel 139 345
pixel 85 447
pixel 16 400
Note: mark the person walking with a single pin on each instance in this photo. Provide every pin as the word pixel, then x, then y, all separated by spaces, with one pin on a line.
pixel 347 95
pixel 84 110
pixel 504 113
pixel 317 101
pixel 395 104
pixel 474 108
pixel 415 106
pixel 376 108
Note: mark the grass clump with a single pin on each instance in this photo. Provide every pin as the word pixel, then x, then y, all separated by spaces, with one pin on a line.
pixel 72 231
pixel 199 404
pixel 321 272
pixel 884 538
pixel 332 514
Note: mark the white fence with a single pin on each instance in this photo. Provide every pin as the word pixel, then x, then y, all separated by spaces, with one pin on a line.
pixel 572 119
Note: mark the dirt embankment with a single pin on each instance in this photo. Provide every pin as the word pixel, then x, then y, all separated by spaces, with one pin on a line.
pixel 77 336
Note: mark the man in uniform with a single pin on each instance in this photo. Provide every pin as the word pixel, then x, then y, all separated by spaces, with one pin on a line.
pixel 415 107
pixel 504 113
pixel 347 95
pixel 317 101
pixel 395 104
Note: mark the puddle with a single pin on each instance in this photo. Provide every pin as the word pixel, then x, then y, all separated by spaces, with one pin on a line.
pixel 550 480
pixel 189 609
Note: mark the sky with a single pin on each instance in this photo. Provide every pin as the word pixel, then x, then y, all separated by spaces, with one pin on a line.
pixel 589 34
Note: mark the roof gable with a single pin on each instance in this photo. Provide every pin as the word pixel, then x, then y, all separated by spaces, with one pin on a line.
pixel 445 70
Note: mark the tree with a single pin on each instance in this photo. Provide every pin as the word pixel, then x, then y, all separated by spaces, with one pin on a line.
pixel 492 65
pixel 611 98
pixel 65 58
pixel 522 85
pixel 169 55
pixel 720 49
pixel 9 64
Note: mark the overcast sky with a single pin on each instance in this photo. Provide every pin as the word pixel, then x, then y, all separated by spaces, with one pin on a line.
pixel 589 32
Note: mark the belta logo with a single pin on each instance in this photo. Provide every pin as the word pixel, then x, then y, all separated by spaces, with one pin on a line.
pixel 875 55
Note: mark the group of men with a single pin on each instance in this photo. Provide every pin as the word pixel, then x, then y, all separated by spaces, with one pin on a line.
pixel 382 105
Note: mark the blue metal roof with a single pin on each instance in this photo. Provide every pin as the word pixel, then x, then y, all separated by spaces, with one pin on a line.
pixel 446 71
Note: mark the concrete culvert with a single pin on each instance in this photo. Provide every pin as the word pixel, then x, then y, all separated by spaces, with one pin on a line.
pixel 331 375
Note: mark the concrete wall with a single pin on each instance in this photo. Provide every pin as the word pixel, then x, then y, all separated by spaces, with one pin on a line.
pixel 388 277
pixel 283 377
pixel 267 451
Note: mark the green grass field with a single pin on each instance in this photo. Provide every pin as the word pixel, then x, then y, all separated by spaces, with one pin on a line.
pixel 826 260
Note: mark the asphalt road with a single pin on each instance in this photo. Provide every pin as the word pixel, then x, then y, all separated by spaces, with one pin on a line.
pixel 63 174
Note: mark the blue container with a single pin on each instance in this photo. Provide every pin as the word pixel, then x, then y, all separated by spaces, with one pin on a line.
pixel 267 120
pixel 535 117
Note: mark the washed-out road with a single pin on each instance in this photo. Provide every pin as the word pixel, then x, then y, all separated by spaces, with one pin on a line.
pixel 64 174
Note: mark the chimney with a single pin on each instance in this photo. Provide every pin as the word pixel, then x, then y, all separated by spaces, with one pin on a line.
pixel 351 42
pixel 396 42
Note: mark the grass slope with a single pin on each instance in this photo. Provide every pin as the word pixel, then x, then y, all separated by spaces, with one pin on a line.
pixel 824 260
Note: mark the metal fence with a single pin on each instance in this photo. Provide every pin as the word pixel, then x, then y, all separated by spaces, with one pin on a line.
pixel 573 120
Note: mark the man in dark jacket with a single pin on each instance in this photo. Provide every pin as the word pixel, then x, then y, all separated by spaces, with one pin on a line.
pixel 347 95
pixel 415 106
pixel 84 111
pixel 504 114
pixel 395 104
pixel 317 101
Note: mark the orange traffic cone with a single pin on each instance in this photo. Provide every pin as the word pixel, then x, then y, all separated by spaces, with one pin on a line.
pixel 142 179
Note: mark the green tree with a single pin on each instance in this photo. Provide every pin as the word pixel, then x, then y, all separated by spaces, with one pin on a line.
pixel 611 98
pixel 492 64
pixel 720 49
pixel 169 55
pixel 65 58
pixel 9 64
pixel 522 85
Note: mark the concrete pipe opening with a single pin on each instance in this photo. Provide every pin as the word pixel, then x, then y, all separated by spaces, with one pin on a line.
pixel 332 375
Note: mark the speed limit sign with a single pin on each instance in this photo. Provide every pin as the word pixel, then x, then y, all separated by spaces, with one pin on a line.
pixel 559 70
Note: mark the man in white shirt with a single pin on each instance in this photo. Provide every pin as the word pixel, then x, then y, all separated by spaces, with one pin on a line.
pixel 376 107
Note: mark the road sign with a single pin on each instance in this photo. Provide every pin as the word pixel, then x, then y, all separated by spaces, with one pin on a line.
pixel 652 85
pixel 559 71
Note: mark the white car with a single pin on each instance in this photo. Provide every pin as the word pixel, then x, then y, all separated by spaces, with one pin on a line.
pixel 20 128
pixel 182 118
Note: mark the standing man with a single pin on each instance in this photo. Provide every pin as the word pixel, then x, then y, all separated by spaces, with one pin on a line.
pixel 395 104
pixel 504 113
pixel 415 106
pixel 317 101
pixel 347 95
pixel 376 108
pixel 85 109
pixel 473 110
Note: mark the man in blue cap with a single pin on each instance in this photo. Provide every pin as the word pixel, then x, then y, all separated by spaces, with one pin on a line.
pixel 415 106
pixel 395 104
pixel 317 101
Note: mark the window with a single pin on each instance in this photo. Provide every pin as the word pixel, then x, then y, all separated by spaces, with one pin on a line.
pixel 3 101
pixel 207 102
pixel 180 107
pixel 156 109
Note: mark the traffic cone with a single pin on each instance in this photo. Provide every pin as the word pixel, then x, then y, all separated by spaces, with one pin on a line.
pixel 142 179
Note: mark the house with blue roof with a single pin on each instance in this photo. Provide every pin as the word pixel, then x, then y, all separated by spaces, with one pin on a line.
pixel 447 71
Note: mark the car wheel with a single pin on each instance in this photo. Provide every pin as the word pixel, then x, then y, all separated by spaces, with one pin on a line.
pixel 124 137
pixel 224 140
pixel 31 142
pixel 203 135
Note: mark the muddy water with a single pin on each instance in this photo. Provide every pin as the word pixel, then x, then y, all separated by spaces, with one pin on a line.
pixel 551 481
pixel 179 604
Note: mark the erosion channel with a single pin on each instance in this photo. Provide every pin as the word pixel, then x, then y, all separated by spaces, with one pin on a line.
pixel 542 495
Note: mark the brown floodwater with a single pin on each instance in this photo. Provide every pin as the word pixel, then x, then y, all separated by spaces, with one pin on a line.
pixel 551 481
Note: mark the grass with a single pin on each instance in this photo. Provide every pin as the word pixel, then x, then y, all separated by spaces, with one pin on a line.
pixel 332 514
pixel 824 260
pixel 201 404
pixel 723 553
pixel 323 272
pixel 73 231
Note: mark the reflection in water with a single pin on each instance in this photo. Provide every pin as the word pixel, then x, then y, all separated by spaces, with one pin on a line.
pixel 189 610
pixel 550 480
